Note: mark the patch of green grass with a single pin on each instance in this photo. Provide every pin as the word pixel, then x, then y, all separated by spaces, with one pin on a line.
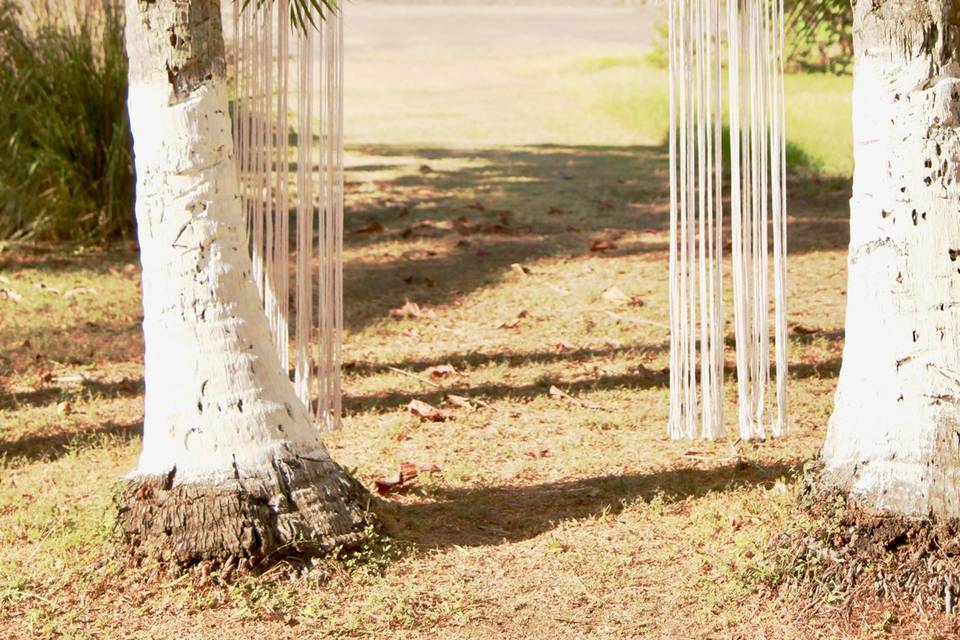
pixel 820 120
pixel 819 116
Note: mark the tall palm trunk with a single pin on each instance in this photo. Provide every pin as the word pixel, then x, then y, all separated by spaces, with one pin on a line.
pixel 232 466
pixel 894 438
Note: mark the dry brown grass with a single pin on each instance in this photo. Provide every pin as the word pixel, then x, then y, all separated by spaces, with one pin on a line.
pixel 546 520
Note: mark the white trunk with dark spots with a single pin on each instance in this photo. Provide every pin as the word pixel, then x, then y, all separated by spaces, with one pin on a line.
pixel 894 438
pixel 222 420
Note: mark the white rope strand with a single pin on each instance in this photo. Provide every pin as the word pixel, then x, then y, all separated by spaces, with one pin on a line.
pixel 696 211
pixel 307 322
pixel 757 142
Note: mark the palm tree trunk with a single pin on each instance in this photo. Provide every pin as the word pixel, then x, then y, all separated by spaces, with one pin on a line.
pixel 894 438
pixel 232 466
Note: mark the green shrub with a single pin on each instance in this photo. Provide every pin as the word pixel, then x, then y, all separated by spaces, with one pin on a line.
pixel 818 37
pixel 65 148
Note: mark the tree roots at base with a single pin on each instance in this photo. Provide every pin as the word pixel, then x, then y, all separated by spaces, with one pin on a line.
pixel 852 553
pixel 301 508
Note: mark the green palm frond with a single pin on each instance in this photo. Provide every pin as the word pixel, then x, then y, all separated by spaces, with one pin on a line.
pixel 303 13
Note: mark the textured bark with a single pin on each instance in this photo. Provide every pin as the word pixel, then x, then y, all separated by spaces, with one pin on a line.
pixel 894 437
pixel 304 507
pixel 855 554
pixel 232 465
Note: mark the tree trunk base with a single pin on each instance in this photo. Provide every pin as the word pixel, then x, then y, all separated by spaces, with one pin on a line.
pixel 853 553
pixel 301 508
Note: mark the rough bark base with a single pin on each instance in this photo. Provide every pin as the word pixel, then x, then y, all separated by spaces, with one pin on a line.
pixel 302 508
pixel 852 554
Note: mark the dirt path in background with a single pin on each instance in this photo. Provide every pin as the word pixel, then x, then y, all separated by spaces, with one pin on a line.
pixel 407 25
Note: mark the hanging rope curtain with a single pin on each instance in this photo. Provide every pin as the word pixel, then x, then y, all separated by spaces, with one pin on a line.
pixel 288 136
pixel 757 191
pixel 696 221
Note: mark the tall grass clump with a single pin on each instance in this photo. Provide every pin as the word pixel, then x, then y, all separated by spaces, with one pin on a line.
pixel 65 148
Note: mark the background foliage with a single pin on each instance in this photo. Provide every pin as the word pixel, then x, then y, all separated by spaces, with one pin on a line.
pixel 65 155
pixel 819 37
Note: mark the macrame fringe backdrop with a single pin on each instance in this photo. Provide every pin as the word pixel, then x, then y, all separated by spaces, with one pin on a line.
pixel 288 134
pixel 757 178
pixel 696 221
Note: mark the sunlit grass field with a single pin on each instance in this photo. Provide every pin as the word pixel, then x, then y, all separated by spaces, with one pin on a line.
pixel 491 178
pixel 485 98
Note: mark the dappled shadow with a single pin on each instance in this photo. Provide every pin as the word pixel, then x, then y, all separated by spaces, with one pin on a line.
pixel 493 515
pixel 47 447
pixel 468 215
pixel 60 258
pixel 641 378
pixel 478 359
pixel 48 395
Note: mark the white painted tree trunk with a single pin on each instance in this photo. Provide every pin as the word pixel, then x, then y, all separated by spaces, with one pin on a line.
pixel 894 438
pixel 221 416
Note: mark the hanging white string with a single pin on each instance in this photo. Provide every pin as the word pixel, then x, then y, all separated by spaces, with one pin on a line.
pixel 306 323
pixel 696 221
pixel 757 201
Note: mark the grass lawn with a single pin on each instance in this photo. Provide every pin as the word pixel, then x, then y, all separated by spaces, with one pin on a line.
pixel 547 518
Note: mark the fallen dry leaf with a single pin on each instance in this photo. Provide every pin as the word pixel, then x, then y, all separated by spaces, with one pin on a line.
pixel 602 245
pixel 371 228
pixel 11 295
pixel 441 371
pixel 411 310
pixel 542 453
pixel 519 268
pixel 408 473
pixel 459 401
pixel 79 291
pixel 556 211
pixel 615 296
pixel 489 228
pixel 427 412
pixel 466 403
pixel 805 331
pixel 418 254
pixel 43 287
pixel 514 323
pixel 558 394
pixel 411 333
pixel 430 283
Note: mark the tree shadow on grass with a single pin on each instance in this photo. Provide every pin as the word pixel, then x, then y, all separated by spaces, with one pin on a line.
pixel 494 515
pixel 477 359
pixel 48 447
pixel 48 395
pixel 540 202
pixel 640 378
